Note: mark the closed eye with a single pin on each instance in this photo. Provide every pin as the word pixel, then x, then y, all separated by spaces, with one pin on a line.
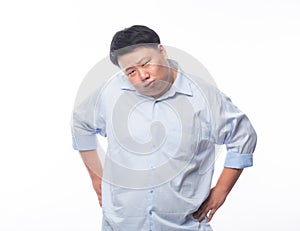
pixel 130 73
pixel 145 63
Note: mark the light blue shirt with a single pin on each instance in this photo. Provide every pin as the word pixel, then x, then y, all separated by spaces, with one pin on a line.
pixel 160 156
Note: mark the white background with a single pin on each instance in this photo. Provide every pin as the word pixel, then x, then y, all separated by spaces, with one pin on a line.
pixel 251 48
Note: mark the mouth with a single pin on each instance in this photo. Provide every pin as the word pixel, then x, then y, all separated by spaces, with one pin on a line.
pixel 149 84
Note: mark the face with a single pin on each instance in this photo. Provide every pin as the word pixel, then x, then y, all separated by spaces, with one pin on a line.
pixel 147 69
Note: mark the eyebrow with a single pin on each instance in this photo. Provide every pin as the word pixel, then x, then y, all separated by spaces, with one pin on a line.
pixel 137 63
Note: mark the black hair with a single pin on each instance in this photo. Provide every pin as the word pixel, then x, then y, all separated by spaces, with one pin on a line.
pixel 131 38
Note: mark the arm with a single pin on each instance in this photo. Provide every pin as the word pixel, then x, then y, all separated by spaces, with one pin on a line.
pixel 232 128
pixel 218 194
pixel 87 121
pixel 93 165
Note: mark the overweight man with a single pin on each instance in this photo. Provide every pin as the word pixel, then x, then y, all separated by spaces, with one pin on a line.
pixel 162 126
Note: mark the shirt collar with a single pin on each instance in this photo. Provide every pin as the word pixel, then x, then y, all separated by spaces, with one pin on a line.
pixel 181 84
pixel 126 85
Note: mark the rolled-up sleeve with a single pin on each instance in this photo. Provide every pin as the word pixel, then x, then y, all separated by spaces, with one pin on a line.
pixel 86 123
pixel 234 129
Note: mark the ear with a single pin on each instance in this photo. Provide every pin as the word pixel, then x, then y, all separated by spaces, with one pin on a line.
pixel 163 51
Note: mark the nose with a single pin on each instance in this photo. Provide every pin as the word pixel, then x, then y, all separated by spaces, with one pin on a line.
pixel 143 74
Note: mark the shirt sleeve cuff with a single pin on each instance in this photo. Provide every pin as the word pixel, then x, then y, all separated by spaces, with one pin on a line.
pixel 84 143
pixel 238 160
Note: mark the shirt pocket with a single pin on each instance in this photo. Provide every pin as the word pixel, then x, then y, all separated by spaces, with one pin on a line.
pixel 205 131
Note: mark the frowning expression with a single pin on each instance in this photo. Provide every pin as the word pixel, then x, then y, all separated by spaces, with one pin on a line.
pixel 147 69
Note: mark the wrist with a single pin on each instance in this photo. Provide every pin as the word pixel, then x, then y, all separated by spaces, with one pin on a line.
pixel 221 189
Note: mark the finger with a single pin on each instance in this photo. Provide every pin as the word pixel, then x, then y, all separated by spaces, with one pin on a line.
pixel 197 214
pixel 203 214
pixel 199 211
pixel 211 214
pixel 100 200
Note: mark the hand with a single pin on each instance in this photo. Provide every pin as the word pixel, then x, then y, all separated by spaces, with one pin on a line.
pixel 98 189
pixel 93 165
pixel 208 208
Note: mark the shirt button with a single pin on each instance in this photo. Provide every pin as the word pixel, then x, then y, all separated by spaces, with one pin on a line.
pixel 150 212
pixel 151 191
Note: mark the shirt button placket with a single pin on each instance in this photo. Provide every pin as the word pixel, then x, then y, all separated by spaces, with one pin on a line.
pixel 151 191
pixel 150 211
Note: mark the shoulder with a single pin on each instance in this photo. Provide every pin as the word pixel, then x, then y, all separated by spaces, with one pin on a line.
pixel 203 88
pixel 92 91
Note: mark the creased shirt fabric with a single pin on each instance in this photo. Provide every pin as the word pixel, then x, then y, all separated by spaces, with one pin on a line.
pixel 156 190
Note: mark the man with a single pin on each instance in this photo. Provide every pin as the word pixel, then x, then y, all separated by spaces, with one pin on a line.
pixel 162 126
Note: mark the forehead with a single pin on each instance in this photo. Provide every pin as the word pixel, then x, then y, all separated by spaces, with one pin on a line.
pixel 136 56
